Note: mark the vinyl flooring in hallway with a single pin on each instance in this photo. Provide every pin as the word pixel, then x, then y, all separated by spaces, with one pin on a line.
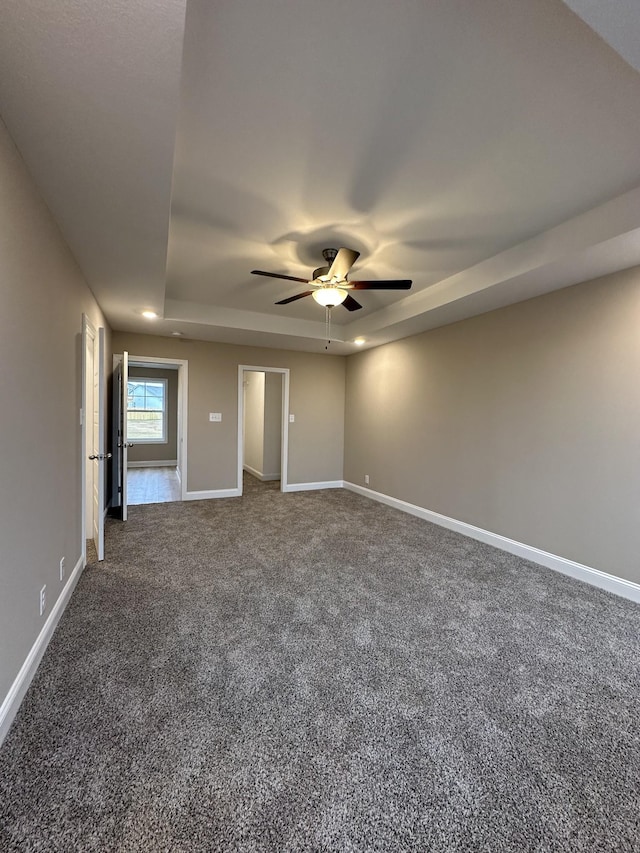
pixel 162 485
pixel 152 485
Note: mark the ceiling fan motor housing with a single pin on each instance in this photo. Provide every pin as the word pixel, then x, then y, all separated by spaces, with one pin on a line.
pixel 329 255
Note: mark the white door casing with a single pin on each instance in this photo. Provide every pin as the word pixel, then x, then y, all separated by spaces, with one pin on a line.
pixel 183 406
pixel 284 371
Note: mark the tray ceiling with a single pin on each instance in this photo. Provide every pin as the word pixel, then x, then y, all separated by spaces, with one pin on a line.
pixel 486 151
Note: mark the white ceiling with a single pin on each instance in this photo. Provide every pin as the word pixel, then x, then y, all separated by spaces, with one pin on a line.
pixel 488 151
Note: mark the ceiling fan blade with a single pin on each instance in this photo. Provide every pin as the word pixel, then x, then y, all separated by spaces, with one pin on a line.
pixel 279 275
pixel 350 304
pixel 293 298
pixel 400 284
pixel 342 263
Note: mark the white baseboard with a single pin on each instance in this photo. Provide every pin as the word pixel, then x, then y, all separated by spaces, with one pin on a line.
pixel 14 697
pixel 179 474
pixel 265 478
pixel 236 493
pixel 212 493
pixel 619 586
pixel 154 463
pixel 311 487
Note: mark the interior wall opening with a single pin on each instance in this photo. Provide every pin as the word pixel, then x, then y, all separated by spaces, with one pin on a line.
pixel 262 434
pixel 153 433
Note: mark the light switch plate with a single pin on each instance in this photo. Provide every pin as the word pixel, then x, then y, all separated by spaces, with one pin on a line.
pixel 292 419
pixel 215 417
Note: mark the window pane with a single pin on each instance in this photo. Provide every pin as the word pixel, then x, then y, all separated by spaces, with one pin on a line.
pixel 146 410
pixel 145 426
pixel 136 401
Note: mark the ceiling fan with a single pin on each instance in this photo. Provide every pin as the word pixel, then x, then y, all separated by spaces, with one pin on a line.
pixel 330 284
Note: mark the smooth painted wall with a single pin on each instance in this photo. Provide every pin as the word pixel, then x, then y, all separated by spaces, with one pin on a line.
pixel 159 452
pixel 272 450
pixel 523 421
pixel 254 420
pixel 317 388
pixel 42 298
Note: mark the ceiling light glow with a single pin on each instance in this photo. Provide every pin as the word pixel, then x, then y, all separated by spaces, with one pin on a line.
pixel 359 341
pixel 150 315
pixel 329 296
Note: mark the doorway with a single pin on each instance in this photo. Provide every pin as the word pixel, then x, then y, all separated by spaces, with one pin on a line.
pixel 263 406
pixel 156 458
pixel 152 434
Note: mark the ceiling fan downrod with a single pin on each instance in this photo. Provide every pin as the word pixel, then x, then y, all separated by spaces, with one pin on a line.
pixel 329 255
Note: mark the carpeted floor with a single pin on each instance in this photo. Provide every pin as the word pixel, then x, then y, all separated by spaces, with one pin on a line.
pixel 317 672
pixel 251 484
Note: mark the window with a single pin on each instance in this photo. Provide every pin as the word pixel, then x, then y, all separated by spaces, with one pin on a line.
pixel 147 411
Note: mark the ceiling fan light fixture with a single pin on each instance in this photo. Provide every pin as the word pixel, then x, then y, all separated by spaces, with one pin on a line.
pixel 329 285
pixel 329 297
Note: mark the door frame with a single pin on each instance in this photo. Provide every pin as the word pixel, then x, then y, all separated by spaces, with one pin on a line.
pixel 284 447
pixel 183 410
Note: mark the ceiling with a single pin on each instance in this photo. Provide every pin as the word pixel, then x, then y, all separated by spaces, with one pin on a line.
pixel 488 151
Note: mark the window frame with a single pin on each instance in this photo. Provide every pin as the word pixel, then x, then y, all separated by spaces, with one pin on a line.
pixel 156 380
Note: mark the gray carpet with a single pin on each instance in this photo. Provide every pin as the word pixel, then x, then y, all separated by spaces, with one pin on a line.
pixel 251 484
pixel 316 672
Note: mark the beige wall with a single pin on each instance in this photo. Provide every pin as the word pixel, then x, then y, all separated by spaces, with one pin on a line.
pixel 273 425
pixel 524 422
pixel 316 399
pixel 254 420
pixel 159 452
pixel 42 298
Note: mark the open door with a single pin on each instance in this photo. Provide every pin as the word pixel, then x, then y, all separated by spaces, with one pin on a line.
pixel 99 441
pixel 119 443
pixel 94 434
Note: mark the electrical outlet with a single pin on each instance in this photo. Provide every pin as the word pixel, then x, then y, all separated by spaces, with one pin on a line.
pixel 366 479
pixel 43 599
pixel 62 569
